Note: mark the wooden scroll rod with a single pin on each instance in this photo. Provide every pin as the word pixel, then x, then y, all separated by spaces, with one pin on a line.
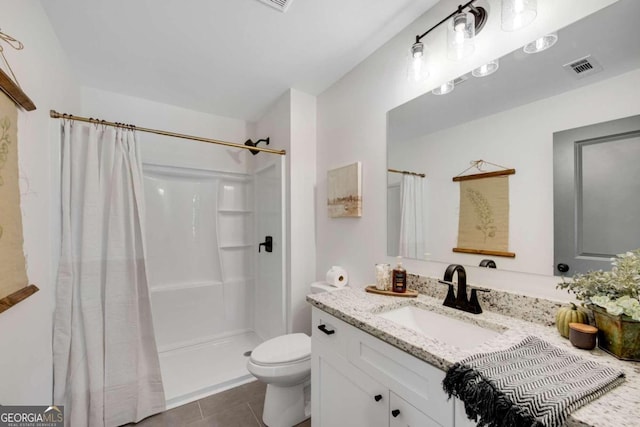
pixel 484 175
pixel 485 252
pixel 22 294
pixel 14 92
pixel 8 85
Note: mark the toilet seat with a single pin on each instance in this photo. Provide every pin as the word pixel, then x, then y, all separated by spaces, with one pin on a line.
pixel 283 350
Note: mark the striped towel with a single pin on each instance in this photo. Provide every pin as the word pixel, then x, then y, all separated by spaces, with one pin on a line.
pixel 530 384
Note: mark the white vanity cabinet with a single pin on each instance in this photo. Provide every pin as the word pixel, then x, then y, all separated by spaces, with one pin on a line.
pixel 359 380
pixel 347 397
pixel 461 417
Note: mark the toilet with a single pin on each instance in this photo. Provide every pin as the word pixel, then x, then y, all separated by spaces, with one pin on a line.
pixel 284 364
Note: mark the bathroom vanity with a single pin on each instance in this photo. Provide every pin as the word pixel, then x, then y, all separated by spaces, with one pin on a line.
pixel 377 361
pixel 359 380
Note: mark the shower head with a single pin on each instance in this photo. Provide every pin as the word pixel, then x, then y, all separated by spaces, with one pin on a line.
pixel 250 143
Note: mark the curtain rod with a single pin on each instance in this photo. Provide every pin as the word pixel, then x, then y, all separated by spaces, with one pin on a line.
pixel 421 175
pixel 54 114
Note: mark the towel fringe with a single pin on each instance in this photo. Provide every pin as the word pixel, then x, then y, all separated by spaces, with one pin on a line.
pixel 483 400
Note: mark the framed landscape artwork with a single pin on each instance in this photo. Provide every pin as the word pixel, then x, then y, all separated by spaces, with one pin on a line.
pixel 344 191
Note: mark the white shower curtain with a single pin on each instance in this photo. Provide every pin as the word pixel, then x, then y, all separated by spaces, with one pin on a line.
pixel 412 238
pixel 106 367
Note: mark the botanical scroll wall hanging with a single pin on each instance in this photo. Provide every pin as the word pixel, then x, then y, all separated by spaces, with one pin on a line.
pixel 483 225
pixel 13 275
pixel 14 285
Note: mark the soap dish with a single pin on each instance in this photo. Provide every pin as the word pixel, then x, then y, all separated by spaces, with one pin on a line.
pixel 582 336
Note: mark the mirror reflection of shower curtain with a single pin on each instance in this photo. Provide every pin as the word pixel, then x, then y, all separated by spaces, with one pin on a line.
pixel 412 217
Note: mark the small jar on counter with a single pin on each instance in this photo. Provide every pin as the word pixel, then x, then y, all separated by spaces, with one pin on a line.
pixel 383 277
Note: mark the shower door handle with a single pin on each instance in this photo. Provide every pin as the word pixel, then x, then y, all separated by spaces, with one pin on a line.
pixel 268 244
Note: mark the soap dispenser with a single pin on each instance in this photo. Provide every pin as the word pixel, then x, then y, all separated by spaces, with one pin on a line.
pixel 399 278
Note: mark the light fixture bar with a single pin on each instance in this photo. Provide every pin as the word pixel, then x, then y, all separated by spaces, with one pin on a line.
pixel 478 11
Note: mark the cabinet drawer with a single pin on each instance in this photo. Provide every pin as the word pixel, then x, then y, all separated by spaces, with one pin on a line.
pixel 403 414
pixel 409 377
pixel 329 332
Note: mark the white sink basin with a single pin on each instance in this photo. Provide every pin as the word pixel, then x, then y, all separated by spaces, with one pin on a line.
pixel 443 328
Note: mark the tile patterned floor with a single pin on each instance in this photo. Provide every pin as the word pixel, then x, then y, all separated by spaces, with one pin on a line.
pixel 237 407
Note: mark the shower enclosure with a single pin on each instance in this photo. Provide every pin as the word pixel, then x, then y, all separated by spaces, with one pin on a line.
pixel 214 296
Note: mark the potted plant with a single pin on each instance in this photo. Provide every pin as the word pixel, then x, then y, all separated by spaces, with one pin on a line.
pixel 614 298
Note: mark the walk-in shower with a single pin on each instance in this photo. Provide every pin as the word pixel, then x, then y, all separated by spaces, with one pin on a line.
pixel 214 295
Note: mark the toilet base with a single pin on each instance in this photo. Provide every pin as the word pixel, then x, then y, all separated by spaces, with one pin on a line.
pixel 284 406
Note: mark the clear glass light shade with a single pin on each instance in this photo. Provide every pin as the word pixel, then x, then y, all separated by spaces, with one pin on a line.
pixel 486 69
pixel 518 14
pixel 417 70
pixel 543 43
pixel 461 31
pixel 444 88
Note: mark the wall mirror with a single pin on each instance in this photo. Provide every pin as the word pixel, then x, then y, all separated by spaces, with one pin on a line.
pixel 509 118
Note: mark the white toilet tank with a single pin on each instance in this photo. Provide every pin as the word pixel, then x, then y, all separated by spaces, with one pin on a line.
pixel 320 287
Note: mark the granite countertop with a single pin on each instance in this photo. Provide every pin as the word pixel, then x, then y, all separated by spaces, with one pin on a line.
pixel 620 407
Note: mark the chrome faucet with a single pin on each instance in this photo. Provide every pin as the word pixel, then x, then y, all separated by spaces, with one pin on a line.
pixel 459 300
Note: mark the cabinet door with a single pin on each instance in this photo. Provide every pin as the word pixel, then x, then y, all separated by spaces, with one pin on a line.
pixel 417 382
pixel 403 414
pixel 347 397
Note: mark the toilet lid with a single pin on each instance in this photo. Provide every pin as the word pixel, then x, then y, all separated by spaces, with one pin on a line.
pixel 282 349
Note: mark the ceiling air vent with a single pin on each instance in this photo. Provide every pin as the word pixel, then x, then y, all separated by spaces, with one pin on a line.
pixel 583 67
pixel 281 5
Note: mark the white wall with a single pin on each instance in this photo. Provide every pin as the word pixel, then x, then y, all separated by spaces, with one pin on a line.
pixel 291 124
pixel 530 152
pixel 269 301
pixel 159 149
pixel 302 161
pixel 352 126
pixel 25 329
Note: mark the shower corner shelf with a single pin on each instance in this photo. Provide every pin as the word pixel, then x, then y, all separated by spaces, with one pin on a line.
pixel 238 279
pixel 236 245
pixel 170 287
pixel 235 211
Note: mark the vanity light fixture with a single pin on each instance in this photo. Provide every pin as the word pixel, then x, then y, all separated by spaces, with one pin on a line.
pixel 417 70
pixel 543 43
pixel 517 14
pixel 465 23
pixel 486 69
pixel 461 30
pixel 444 88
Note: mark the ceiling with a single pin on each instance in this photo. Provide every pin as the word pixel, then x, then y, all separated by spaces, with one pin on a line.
pixel 231 58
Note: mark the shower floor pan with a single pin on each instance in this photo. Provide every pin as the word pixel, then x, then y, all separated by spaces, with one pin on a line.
pixel 191 373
